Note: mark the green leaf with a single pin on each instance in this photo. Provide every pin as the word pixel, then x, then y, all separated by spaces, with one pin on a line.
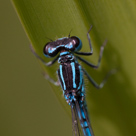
pixel 113 108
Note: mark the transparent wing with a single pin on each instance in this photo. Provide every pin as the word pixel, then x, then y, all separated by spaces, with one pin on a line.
pixel 76 128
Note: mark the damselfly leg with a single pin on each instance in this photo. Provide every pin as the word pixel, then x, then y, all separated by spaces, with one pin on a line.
pixel 91 48
pixel 45 63
pixel 46 76
pixel 98 86
pixel 99 60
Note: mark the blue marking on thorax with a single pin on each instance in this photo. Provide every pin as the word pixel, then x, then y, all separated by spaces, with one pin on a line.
pixel 64 53
pixel 81 77
pixel 62 78
pixel 74 74
pixel 59 79
pixel 62 38
pixel 83 88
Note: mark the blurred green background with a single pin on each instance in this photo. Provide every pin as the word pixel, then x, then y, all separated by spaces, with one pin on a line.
pixel 28 105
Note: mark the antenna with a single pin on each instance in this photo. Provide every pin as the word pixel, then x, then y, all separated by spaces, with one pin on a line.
pixel 49 39
pixel 69 33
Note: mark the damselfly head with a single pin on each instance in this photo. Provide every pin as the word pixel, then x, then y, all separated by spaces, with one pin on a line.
pixel 70 44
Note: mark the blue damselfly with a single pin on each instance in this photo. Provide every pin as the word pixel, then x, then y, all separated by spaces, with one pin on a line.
pixel 70 77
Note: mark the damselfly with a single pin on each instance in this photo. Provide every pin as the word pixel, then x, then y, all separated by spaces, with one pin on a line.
pixel 70 77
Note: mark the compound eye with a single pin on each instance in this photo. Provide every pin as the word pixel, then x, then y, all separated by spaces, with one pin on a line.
pixel 50 50
pixel 76 43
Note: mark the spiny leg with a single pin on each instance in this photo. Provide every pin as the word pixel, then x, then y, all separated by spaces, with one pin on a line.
pixel 45 63
pixel 46 76
pixel 99 60
pixel 98 86
pixel 90 53
pixel 91 48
